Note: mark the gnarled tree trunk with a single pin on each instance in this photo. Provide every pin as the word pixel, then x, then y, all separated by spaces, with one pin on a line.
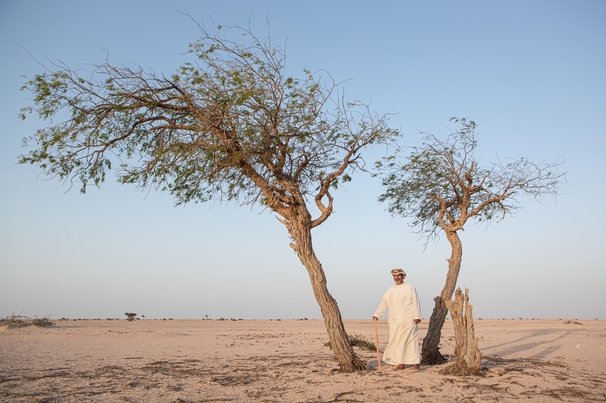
pixel 300 230
pixel 466 345
pixel 430 352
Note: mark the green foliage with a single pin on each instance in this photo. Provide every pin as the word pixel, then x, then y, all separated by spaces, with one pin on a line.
pixel 228 124
pixel 130 316
pixel 357 340
pixel 441 185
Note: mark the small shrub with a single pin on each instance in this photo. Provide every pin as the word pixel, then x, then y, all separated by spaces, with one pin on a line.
pixel 358 340
pixel 18 321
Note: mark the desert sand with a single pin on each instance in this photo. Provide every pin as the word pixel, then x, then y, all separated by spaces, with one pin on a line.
pixel 287 361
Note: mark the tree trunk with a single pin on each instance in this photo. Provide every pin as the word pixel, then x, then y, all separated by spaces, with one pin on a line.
pixel 430 352
pixel 347 358
pixel 466 346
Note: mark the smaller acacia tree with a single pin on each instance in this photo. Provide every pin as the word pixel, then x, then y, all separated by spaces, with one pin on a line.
pixel 130 316
pixel 442 187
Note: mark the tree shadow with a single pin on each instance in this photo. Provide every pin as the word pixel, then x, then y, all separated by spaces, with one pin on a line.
pixel 512 347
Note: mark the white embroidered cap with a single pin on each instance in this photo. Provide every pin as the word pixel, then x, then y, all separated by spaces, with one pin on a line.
pixel 398 271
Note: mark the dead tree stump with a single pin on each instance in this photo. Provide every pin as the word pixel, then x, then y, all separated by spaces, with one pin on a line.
pixel 467 354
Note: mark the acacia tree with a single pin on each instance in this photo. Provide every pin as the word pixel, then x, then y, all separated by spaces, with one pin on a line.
pixel 229 126
pixel 441 187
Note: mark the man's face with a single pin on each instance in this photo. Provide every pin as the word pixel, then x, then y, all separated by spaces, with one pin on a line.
pixel 398 278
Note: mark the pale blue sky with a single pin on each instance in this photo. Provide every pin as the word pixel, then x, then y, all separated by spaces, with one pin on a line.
pixel 531 73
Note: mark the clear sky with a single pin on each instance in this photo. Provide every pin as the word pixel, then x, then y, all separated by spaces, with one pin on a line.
pixel 532 74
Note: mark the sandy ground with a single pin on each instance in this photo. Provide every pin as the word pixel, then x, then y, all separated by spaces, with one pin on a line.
pixel 287 361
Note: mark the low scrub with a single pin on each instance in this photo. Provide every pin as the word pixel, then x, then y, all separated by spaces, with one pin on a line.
pixel 18 321
pixel 357 340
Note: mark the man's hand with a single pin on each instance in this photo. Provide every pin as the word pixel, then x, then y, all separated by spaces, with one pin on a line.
pixel 417 321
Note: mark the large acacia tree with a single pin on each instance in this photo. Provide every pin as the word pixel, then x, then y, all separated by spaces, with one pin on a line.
pixel 229 124
pixel 442 187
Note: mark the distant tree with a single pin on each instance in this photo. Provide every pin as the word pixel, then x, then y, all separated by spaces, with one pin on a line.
pixel 441 187
pixel 230 125
pixel 130 316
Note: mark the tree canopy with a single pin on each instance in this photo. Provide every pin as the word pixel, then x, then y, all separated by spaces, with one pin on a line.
pixel 228 125
pixel 442 184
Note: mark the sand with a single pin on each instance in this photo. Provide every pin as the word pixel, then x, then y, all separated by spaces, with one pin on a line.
pixel 287 361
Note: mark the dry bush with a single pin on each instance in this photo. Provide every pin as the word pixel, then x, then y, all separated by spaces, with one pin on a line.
pixel 19 321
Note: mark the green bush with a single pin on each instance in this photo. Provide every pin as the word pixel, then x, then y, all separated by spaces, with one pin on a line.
pixel 358 340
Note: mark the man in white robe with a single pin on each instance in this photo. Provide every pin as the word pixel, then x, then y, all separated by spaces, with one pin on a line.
pixel 404 316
